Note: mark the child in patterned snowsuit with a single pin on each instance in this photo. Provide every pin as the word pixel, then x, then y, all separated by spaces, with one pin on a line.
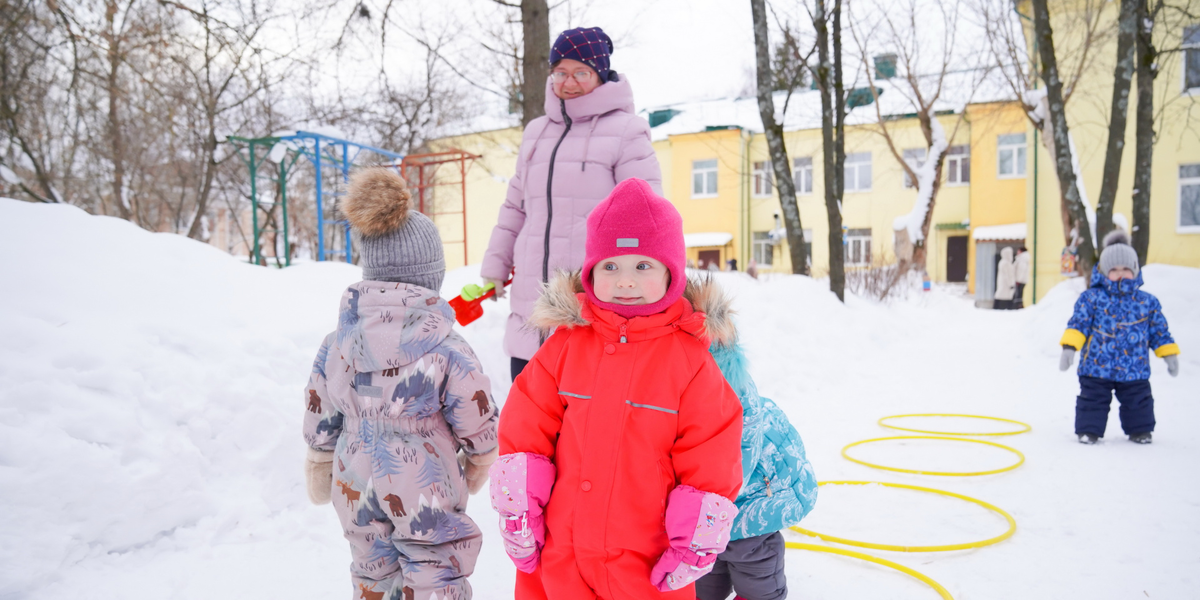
pixel 394 397
pixel 778 489
pixel 621 441
pixel 1116 325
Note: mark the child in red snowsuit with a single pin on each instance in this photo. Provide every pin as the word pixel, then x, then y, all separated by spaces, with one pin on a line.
pixel 621 441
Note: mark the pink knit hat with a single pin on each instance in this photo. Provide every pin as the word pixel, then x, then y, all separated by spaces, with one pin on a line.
pixel 635 220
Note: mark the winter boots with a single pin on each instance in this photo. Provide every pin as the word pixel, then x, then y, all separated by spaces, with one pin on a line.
pixel 1137 438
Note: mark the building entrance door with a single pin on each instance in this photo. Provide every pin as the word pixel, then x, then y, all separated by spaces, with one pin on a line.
pixel 708 257
pixel 956 258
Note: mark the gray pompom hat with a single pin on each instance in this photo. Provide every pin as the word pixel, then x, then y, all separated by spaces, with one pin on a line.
pixel 1118 253
pixel 395 243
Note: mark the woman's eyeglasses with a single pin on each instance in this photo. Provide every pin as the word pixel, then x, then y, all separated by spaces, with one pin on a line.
pixel 580 76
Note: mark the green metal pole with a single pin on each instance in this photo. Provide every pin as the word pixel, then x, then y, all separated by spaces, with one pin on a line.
pixel 255 256
pixel 287 248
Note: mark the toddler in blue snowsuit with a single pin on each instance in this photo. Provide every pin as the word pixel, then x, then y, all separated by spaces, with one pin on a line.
pixel 778 489
pixel 1115 325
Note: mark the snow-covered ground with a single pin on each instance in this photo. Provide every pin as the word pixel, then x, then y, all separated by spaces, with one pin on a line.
pixel 150 408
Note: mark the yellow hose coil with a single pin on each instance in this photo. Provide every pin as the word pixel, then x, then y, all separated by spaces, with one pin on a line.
pixel 937 587
pixel 1012 523
pixel 1020 461
pixel 1026 427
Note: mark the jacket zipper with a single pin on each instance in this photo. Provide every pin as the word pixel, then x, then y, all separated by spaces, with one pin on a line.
pixel 623 339
pixel 549 197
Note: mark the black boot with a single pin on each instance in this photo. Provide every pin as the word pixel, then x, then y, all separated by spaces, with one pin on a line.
pixel 1141 438
pixel 1089 438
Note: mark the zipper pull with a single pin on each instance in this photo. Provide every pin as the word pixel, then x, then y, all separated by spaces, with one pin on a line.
pixel 768 482
pixel 623 338
pixel 525 524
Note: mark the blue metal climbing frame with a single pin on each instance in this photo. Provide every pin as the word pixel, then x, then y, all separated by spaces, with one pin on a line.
pixel 323 151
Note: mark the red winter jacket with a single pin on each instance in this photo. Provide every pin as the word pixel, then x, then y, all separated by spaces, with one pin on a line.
pixel 627 410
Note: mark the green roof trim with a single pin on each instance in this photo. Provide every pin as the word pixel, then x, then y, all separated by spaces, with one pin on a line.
pixel 951 226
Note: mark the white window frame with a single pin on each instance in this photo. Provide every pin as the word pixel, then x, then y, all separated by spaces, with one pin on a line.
pixel 857 167
pixel 1188 49
pixel 1184 181
pixel 958 162
pixel 915 157
pixel 1019 156
pixel 862 242
pixel 802 175
pixel 764 179
pixel 704 168
pixel 763 248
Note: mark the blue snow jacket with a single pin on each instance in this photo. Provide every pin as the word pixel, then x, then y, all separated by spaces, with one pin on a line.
pixel 779 486
pixel 1115 325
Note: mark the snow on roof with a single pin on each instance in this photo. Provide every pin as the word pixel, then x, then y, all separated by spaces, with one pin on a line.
pixel 804 109
pixel 707 239
pixel 1012 231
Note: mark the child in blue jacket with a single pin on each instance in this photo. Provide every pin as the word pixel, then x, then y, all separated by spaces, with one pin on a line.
pixel 778 489
pixel 1115 325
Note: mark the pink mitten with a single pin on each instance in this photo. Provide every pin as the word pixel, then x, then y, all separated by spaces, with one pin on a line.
pixel 521 485
pixel 698 525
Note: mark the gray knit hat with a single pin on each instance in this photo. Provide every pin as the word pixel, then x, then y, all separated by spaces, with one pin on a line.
pixel 1118 253
pixel 395 243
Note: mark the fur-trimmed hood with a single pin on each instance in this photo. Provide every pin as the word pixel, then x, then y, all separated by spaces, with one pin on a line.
pixel 561 305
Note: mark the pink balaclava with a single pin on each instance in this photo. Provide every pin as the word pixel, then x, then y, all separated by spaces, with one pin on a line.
pixel 635 220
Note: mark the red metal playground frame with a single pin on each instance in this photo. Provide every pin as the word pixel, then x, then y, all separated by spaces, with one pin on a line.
pixel 421 173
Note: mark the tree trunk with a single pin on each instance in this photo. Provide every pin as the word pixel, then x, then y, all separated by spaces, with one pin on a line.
pixel 829 81
pixel 535 62
pixel 1062 148
pixel 774 134
pixel 1147 56
pixel 1122 77
pixel 115 134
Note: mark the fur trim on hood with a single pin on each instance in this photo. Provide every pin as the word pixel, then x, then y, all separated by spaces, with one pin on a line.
pixel 559 306
pixel 377 202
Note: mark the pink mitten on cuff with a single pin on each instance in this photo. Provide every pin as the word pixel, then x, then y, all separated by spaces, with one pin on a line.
pixel 698 525
pixel 520 488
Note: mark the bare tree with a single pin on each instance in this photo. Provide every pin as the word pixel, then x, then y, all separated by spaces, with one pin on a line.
pixel 225 67
pixel 1008 44
pixel 925 91
pixel 775 143
pixel 1122 78
pixel 828 75
pixel 1065 161
pixel 30 123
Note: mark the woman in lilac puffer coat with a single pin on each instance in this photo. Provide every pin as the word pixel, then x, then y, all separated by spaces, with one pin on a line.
pixel 570 159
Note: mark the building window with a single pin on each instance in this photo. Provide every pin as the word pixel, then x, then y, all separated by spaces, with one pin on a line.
pixel 1191 60
pixel 1189 198
pixel 802 174
pixel 704 178
pixel 858 172
pixel 1010 150
pixel 858 247
pixel 958 165
pixel 913 157
pixel 763 178
pixel 764 250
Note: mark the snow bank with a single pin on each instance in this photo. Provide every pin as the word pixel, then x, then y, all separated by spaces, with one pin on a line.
pixel 150 407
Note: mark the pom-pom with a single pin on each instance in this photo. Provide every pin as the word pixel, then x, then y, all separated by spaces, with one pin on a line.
pixel 377 202
pixel 1116 236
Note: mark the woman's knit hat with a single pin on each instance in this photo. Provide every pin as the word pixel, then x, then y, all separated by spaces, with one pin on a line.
pixel 635 220
pixel 590 46
pixel 1118 253
pixel 395 243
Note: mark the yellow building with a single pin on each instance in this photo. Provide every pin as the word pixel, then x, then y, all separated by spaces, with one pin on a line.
pixel 998 183
pixel 1175 182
